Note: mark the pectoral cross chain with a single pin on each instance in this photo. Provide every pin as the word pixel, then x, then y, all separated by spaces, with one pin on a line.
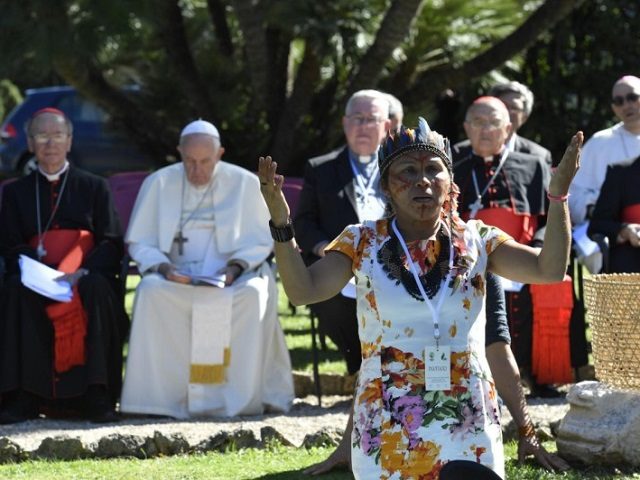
pixel 180 240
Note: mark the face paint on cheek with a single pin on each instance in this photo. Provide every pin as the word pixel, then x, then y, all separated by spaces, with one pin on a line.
pixel 398 184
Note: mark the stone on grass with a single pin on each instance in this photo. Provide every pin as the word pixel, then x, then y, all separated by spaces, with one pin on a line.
pixel 237 440
pixel 602 425
pixel 61 448
pixel 165 446
pixel 270 435
pixel 120 445
pixel 326 437
pixel 10 452
pixel 302 384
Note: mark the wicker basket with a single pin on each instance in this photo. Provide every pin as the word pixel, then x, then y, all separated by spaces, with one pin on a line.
pixel 613 310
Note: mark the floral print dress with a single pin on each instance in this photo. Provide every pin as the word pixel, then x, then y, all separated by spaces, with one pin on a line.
pixel 401 430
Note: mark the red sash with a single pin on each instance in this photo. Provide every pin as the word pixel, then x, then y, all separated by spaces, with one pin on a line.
pixel 631 213
pixel 520 226
pixel 551 349
pixel 66 250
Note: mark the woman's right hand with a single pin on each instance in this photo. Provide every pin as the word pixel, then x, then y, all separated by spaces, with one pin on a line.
pixel 271 188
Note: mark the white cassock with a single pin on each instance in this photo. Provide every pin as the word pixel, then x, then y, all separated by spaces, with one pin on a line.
pixel 202 350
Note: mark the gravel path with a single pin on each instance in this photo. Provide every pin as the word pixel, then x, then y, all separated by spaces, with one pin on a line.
pixel 304 418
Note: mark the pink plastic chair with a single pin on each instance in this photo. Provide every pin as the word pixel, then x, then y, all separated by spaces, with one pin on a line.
pixel 291 189
pixel 124 187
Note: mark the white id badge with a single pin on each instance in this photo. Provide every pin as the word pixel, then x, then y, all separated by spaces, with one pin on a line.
pixel 437 368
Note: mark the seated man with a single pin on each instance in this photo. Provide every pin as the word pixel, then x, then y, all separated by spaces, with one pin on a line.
pixel 196 349
pixel 617 215
pixel 57 354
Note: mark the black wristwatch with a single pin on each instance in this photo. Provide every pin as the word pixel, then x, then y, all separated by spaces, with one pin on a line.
pixel 282 234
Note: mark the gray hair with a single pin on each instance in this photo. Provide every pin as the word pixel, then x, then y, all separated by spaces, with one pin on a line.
pixel 28 125
pixel 185 138
pixel 371 95
pixel 395 107
pixel 514 87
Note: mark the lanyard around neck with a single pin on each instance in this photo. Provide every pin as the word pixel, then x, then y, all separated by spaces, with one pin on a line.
pixel 367 190
pixel 479 195
pixel 435 310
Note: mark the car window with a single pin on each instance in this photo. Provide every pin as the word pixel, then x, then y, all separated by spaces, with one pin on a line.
pixel 80 110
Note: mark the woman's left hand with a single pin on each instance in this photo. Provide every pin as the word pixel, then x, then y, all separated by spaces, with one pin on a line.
pixel 531 446
pixel 567 168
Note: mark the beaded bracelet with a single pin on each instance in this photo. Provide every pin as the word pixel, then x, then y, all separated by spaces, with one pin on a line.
pixel 558 198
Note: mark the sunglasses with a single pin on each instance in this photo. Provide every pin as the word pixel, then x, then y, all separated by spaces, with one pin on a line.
pixel 618 100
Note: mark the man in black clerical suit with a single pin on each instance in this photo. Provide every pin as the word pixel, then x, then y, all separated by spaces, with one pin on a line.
pixel 507 189
pixel 342 188
pixel 617 215
pixel 60 355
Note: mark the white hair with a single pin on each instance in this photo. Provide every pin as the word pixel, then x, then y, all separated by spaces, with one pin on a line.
pixel 517 88
pixel 371 95
pixel 185 139
pixel 395 107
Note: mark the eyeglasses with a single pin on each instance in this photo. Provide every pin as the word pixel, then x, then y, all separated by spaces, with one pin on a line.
pixel 491 124
pixel 360 120
pixel 43 138
pixel 619 100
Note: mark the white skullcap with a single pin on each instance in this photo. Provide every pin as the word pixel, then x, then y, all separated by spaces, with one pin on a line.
pixel 200 126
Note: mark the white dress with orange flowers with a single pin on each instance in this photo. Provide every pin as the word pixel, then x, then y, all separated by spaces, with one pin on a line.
pixel 402 431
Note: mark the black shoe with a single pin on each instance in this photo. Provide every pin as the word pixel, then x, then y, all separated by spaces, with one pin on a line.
pixel 19 407
pixel 99 408
pixel 545 391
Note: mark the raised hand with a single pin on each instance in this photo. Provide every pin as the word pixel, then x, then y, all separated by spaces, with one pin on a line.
pixel 567 168
pixel 271 188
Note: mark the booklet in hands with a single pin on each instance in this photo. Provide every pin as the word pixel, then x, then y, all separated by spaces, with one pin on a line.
pixel 210 280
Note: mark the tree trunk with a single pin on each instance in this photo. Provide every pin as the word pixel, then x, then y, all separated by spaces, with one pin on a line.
pixel 76 68
pixel 393 30
pixel 437 79
pixel 296 107
pixel 252 24
pixel 172 34
pixel 218 15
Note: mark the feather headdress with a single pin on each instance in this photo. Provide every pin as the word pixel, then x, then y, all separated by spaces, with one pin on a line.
pixel 411 140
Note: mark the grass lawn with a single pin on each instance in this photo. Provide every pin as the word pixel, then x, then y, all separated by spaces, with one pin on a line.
pixel 277 463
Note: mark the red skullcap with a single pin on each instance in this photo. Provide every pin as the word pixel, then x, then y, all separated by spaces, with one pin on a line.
pixel 48 110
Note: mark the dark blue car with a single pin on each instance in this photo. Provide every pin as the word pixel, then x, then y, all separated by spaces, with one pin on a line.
pixel 96 146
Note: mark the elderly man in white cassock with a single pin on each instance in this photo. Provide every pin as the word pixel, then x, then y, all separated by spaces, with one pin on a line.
pixel 198 349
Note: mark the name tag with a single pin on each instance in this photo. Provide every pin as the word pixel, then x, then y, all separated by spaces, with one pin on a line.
pixel 437 368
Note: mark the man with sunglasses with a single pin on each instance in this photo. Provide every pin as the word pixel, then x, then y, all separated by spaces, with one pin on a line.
pixel 618 145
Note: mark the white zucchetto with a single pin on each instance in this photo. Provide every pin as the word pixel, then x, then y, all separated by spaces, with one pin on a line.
pixel 202 127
